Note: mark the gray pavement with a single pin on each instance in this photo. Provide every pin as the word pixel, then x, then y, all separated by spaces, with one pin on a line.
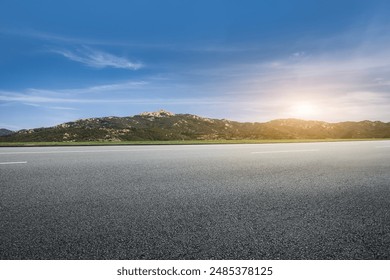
pixel 267 201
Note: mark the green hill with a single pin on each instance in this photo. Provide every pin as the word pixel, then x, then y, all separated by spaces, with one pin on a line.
pixel 4 132
pixel 163 125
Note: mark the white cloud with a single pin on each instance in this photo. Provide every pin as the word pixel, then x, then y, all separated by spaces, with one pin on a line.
pixel 119 86
pixel 37 97
pixel 298 54
pixel 49 107
pixel 341 86
pixel 41 97
pixel 98 59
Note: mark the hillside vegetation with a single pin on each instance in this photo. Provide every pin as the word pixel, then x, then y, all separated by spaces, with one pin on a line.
pixel 163 125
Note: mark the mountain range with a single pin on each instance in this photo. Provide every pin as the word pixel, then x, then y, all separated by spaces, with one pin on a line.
pixel 163 125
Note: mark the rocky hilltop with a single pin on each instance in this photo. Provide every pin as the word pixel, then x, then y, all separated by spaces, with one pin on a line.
pixel 163 125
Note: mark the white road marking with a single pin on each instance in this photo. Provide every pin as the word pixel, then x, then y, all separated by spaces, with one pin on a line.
pixel 286 151
pixel 13 162
pixel 382 147
pixel 82 151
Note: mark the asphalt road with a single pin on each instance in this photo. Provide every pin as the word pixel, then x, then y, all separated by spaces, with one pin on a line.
pixel 267 201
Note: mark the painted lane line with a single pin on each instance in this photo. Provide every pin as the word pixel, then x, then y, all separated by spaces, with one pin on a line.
pixel 13 162
pixel 81 151
pixel 286 151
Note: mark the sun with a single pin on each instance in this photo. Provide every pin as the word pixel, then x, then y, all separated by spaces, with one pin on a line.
pixel 303 110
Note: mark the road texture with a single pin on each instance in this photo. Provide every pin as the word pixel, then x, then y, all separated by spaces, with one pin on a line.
pixel 267 201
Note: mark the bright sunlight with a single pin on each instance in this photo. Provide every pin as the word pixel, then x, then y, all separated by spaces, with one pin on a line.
pixel 303 110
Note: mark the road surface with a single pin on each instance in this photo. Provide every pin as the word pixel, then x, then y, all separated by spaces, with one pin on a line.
pixel 267 201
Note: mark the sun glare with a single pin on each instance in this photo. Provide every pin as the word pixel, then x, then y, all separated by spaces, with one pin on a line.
pixel 303 110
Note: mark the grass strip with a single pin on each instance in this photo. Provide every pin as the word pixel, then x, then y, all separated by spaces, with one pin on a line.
pixel 177 142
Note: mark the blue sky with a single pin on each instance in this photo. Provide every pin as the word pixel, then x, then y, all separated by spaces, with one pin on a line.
pixel 240 60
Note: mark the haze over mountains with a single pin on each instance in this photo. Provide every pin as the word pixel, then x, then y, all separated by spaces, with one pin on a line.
pixel 4 132
pixel 163 125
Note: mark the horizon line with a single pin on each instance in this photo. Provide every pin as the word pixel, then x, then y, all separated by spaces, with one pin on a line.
pixel 175 114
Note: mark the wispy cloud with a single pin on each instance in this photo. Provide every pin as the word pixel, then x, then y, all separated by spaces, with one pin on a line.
pixel 37 100
pixel 340 85
pixel 98 59
pixel 202 47
pixel 49 37
pixel 49 107
pixel 41 97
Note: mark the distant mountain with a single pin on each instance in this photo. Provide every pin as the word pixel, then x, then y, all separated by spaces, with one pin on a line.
pixel 4 132
pixel 163 125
